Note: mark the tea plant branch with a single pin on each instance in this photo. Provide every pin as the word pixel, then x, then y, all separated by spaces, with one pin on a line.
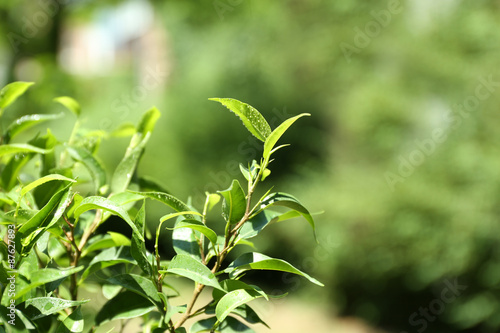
pixel 74 258
pixel 159 280
pixel 203 261
pixel 251 189
pixel 159 285
pixel 200 310
pixel 228 244
pixel 90 230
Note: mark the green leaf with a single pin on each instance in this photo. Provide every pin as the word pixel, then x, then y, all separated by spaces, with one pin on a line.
pixel 252 119
pixel 27 265
pixel 289 201
pixel 245 311
pixel 24 320
pixel 110 290
pixel 124 130
pixel 43 180
pixel 245 172
pixel 140 285
pixel 95 202
pixel 148 184
pixel 198 226
pixel 265 174
pixel 26 122
pixel 11 92
pixel 212 200
pixel 232 285
pixel 190 268
pixel 4 266
pixel 172 310
pixel 126 168
pixel 106 258
pixel 22 324
pixel 258 261
pixel 11 171
pixel 172 215
pixel 232 325
pixel 204 325
pixel 125 305
pixel 287 216
pixel 44 276
pixel 7 200
pixel 185 242
pixel 99 242
pixel 91 163
pixel 43 306
pixel 29 232
pixel 148 121
pixel 168 200
pixel 273 138
pixel 47 141
pixel 257 223
pixel 234 206
pixel 21 148
pixel 44 192
pixel 125 198
pixel 138 248
pixel 232 300
pixel 249 314
pixel 77 200
pixel 69 103
pixel 72 323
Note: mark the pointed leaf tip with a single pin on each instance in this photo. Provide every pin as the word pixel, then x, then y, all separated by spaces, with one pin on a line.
pixel 97 202
pixel 11 92
pixel 251 118
pixel 69 103
pixel 234 204
pixel 278 132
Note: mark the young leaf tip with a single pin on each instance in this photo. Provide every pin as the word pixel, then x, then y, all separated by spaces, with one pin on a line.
pixel 69 103
pixel 11 92
pixel 250 116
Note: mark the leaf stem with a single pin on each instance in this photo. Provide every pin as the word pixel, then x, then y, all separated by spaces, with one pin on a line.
pixel 222 255
pixel 91 229
pixel 78 249
pixel 196 293
pixel 159 280
pixel 228 244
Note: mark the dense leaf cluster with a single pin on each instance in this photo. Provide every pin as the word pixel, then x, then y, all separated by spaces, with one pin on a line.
pixel 50 216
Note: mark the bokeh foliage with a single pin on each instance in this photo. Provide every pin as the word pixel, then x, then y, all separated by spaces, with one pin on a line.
pixel 389 252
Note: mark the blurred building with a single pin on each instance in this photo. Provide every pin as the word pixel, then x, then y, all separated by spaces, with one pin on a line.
pixel 116 37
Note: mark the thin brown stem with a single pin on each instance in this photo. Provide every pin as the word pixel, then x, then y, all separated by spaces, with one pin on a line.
pixel 71 225
pixel 159 280
pixel 78 250
pixel 91 229
pixel 199 311
pixel 196 293
pixel 74 262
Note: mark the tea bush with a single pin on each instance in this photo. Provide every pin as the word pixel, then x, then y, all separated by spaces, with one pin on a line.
pixel 55 195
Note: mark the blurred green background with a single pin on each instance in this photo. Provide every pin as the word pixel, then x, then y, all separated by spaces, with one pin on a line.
pixel 401 153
